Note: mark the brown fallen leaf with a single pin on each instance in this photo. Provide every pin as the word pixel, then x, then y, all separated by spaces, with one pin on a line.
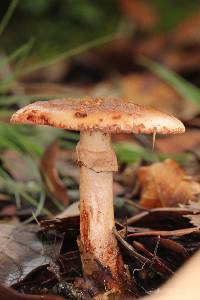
pixel 182 60
pixel 70 211
pixel 52 181
pixel 194 217
pixel 7 293
pixel 20 252
pixel 188 33
pixel 166 184
pixel 149 197
pixel 194 123
pixel 156 259
pixel 8 211
pixel 18 166
pixel 165 233
pixel 163 217
pixel 47 89
pixel 146 89
pixel 152 47
pixel 174 246
pixel 118 53
pixel 177 144
pixel 140 12
pixel 140 247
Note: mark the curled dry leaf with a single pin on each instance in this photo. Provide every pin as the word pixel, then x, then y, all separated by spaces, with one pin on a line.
pixel 174 246
pixel 7 293
pixel 165 233
pixel 166 184
pixel 52 181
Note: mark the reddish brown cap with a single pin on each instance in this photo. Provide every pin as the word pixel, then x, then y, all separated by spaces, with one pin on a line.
pixel 107 115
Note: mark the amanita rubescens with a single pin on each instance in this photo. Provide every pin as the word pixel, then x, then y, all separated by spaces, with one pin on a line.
pixel 97 119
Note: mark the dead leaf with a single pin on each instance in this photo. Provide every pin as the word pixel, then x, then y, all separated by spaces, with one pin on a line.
pixel 166 217
pixel 47 89
pixel 160 264
pixel 178 143
pixel 194 217
pixel 182 60
pixel 8 211
pixel 18 166
pixel 7 293
pixel 187 32
pixel 20 252
pixel 64 225
pixel 146 89
pixel 152 47
pixel 165 233
pixel 53 183
pixel 194 123
pixel 173 246
pixel 70 211
pixel 166 184
pixel 149 197
pixel 118 53
pixel 140 12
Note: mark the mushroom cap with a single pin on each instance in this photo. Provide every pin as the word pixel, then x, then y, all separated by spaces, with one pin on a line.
pixel 106 115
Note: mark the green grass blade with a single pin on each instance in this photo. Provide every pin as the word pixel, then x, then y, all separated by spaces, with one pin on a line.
pixel 20 55
pixel 4 22
pixel 13 137
pixel 9 80
pixel 13 187
pixel 129 153
pixel 69 53
pixel 39 208
pixel 19 52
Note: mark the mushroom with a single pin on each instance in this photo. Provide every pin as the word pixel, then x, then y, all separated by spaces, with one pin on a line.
pixel 97 119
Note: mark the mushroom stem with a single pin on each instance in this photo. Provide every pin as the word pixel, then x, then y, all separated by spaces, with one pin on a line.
pixel 98 244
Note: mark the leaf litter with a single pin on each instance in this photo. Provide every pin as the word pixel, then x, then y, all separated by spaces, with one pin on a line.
pixel 154 243
pixel 156 203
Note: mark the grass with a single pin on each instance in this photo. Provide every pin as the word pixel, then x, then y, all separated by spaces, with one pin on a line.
pixel 129 153
pixel 31 141
pixel 19 190
pixel 4 22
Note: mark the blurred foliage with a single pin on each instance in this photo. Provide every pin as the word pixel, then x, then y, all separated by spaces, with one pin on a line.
pixel 187 90
pixel 58 25
pixel 174 11
pixel 49 28
pixel 130 153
